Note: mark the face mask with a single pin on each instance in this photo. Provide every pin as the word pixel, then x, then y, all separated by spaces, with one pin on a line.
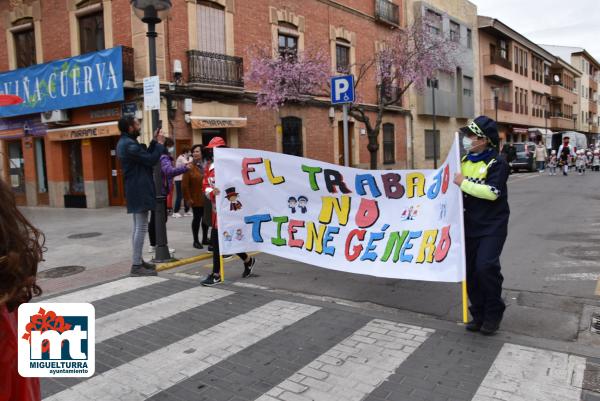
pixel 467 143
pixel 171 149
pixel 135 134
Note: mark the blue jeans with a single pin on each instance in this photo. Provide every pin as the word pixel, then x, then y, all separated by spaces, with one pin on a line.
pixel 140 228
pixel 541 166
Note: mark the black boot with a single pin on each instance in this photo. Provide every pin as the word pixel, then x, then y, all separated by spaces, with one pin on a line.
pixel 489 328
pixel 473 325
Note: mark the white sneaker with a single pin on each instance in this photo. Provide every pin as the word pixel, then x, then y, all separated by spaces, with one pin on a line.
pixel 151 249
pixel 176 215
pixel 188 214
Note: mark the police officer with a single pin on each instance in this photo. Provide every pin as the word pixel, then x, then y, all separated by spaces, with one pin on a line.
pixel 483 183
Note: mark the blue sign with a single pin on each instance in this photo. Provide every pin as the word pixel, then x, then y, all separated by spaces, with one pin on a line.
pixel 342 89
pixel 92 78
pixel 128 109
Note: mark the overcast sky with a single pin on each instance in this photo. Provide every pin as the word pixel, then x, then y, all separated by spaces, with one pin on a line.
pixel 565 23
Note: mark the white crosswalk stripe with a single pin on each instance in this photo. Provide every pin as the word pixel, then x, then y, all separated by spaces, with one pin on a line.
pixel 350 370
pixel 523 373
pixel 107 290
pixel 355 367
pixel 145 314
pixel 160 370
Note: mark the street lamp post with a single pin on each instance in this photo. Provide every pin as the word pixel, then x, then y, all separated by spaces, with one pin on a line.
pixel 546 116
pixel 152 12
pixel 434 84
pixel 496 103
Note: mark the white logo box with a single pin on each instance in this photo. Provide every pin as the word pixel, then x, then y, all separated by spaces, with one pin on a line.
pixel 71 359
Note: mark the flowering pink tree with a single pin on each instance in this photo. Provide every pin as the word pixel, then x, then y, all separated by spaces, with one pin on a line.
pixel 408 58
pixel 291 78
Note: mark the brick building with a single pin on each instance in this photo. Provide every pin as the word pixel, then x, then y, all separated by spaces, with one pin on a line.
pixel 66 158
pixel 527 87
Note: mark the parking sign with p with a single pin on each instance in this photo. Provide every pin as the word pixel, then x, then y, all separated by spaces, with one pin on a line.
pixel 342 89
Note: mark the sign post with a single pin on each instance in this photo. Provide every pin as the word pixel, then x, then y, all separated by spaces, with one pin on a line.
pixel 342 92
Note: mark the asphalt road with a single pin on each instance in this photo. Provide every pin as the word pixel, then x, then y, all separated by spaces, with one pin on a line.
pixel 551 261
pixel 551 265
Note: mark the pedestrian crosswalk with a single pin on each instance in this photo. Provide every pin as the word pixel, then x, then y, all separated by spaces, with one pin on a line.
pixel 198 343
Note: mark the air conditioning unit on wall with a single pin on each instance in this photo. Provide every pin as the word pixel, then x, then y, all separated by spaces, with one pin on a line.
pixel 55 116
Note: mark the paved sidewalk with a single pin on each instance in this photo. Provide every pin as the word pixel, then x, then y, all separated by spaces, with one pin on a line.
pixel 161 338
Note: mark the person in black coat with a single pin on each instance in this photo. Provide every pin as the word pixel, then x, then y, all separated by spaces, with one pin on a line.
pixel 137 162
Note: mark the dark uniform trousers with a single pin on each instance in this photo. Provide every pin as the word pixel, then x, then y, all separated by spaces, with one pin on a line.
pixel 484 280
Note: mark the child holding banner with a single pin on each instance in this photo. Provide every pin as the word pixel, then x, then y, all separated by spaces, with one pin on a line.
pixel 211 191
pixel 486 212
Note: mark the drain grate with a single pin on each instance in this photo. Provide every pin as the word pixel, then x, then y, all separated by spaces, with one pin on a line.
pixel 84 235
pixel 595 326
pixel 61 271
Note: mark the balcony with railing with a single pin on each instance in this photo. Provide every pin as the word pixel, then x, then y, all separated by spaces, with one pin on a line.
pixel 497 67
pixel 496 58
pixel 213 71
pixel 387 12
pixel 558 90
pixel 505 110
pixel 593 107
pixel 560 121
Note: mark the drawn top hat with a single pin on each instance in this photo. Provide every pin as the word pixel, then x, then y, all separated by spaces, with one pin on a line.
pixel 229 192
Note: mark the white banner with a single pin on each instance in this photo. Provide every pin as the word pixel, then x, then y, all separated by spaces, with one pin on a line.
pixel 404 224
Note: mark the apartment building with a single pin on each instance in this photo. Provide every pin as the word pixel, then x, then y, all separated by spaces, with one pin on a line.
pixel 62 153
pixel 456 95
pixel 586 116
pixel 520 80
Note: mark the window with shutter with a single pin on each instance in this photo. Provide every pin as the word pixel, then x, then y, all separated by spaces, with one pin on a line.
pixel 211 28
pixel 91 32
pixel 389 156
pixel 292 136
pixel 342 57
pixel 25 48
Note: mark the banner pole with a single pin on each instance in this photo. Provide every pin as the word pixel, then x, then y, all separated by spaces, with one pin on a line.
pixel 465 302
pixel 464 297
pixel 222 268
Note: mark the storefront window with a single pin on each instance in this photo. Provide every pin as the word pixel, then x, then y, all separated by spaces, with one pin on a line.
pixel 40 165
pixel 16 166
pixel 76 186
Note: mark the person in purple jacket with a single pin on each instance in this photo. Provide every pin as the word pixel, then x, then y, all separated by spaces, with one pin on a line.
pixel 169 171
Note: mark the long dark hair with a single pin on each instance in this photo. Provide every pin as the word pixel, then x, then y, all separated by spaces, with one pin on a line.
pixel 21 250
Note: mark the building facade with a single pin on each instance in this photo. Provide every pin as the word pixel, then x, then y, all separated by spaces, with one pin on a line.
pixel 515 81
pixel 65 157
pixel 456 95
pixel 586 117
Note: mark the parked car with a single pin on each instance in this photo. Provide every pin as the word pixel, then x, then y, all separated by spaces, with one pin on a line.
pixel 525 157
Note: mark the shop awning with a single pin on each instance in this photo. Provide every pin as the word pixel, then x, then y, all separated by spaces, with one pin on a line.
pixel 98 130
pixel 11 133
pixel 199 122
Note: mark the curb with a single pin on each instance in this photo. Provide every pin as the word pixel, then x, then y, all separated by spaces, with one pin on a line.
pixel 181 262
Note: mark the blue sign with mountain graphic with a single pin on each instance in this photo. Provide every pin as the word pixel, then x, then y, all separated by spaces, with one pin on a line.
pixel 92 78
